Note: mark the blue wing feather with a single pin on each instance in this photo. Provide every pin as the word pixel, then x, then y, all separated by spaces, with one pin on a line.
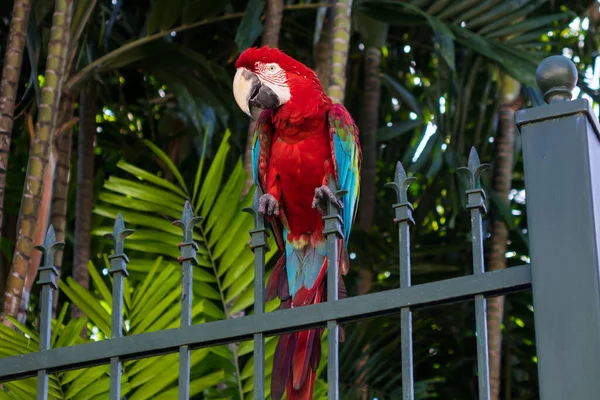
pixel 347 158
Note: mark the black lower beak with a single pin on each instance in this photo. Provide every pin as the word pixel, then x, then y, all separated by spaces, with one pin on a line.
pixel 263 97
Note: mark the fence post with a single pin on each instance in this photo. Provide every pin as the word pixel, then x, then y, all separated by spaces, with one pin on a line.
pixel 47 281
pixel 118 271
pixel 333 231
pixel 403 218
pixel 260 246
pixel 476 206
pixel 187 249
pixel 561 155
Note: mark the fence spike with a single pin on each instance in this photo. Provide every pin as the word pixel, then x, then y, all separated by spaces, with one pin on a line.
pixel 187 222
pixel 474 169
pixel 401 183
pixel 259 220
pixel 48 272
pixel 119 234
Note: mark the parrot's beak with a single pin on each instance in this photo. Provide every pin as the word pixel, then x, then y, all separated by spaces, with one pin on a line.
pixel 249 90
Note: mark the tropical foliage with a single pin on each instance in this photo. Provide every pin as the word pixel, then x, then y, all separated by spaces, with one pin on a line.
pixel 167 131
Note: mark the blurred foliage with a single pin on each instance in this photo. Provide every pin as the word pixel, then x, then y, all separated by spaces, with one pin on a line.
pixel 169 130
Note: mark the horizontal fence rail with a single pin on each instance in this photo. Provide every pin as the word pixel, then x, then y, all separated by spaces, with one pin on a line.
pixel 244 328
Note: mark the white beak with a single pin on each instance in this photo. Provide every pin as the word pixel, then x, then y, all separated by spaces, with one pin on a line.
pixel 244 85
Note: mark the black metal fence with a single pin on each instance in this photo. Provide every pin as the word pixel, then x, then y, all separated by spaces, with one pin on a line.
pixel 561 150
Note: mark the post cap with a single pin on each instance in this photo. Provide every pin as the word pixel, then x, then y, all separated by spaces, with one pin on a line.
pixel 556 77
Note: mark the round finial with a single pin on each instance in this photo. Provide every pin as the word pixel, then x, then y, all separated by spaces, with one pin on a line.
pixel 556 77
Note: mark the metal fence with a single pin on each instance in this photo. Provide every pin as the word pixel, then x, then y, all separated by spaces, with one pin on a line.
pixel 561 151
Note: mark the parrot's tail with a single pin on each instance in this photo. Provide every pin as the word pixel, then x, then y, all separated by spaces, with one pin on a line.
pixel 298 354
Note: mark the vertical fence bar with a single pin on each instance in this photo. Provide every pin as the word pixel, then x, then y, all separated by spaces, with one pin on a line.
pixel 118 272
pixel 333 232
pixel 476 207
pixel 188 249
pixel 260 246
pixel 48 282
pixel 561 157
pixel 403 218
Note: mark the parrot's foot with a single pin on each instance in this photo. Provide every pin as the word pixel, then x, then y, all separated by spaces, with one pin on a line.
pixel 324 195
pixel 268 205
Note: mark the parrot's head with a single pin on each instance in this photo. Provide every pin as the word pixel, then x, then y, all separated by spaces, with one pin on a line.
pixel 268 78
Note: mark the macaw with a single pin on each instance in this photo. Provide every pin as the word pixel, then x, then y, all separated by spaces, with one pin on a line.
pixel 303 147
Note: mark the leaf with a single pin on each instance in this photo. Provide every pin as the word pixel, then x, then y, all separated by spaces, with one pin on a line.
pixel 227 204
pixel 167 372
pixel 145 175
pixel 148 193
pixel 446 48
pixel 397 129
pixel 198 385
pixel 373 32
pixel 155 15
pixel 212 182
pixel 405 95
pixel 200 170
pixel 138 205
pixel 87 303
pixel 171 13
pixel 250 27
pixel 167 161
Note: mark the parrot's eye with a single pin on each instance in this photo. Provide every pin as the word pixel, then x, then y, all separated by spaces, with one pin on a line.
pixel 271 67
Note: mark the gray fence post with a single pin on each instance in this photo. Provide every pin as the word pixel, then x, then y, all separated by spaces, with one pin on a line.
pixel 561 153
pixel 48 282
pixel 118 271
pixel 187 259
pixel 259 245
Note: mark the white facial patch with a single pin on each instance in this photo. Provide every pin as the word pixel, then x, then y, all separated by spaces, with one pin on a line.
pixel 272 76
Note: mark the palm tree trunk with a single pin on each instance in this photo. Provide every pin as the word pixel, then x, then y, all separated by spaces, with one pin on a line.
pixel 323 47
pixel 370 116
pixel 64 143
pixel 502 179
pixel 85 187
pixel 339 53
pixel 270 37
pixel 8 87
pixel 38 157
pixel 38 237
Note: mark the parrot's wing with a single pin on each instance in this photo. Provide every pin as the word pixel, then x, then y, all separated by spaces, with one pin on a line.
pixel 261 152
pixel 263 131
pixel 347 157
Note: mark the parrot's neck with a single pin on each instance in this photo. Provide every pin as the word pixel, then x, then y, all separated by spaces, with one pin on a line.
pixel 303 108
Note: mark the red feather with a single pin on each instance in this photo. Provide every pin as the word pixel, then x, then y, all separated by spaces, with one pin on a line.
pixel 301 360
pixel 315 357
pixel 282 364
pixel 274 279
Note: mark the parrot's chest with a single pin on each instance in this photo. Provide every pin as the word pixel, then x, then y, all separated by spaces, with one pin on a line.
pixel 302 166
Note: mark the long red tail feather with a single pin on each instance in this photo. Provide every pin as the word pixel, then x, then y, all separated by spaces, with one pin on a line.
pixel 297 355
pixel 282 364
pixel 301 359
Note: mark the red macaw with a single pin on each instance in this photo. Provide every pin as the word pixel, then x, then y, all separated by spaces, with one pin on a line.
pixel 302 144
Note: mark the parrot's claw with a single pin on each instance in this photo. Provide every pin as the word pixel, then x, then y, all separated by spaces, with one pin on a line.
pixel 324 195
pixel 268 205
